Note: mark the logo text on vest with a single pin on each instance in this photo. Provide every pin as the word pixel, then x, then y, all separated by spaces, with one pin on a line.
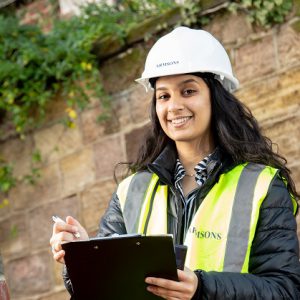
pixel 204 234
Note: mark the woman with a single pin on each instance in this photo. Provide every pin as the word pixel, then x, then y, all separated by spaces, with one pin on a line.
pixel 207 175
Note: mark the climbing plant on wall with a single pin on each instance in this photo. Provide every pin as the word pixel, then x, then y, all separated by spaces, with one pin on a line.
pixel 263 12
pixel 36 67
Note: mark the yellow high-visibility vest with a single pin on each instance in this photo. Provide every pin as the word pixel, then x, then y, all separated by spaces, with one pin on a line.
pixel 222 230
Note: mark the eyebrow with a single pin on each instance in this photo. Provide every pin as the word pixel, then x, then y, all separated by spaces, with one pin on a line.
pixel 180 83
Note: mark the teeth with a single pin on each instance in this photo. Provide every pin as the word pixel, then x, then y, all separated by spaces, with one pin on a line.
pixel 180 120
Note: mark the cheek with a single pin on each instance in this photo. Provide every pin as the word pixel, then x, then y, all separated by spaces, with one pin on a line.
pixel 206 110
pixel 160 113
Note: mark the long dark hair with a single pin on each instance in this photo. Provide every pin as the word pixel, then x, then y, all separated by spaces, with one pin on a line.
pixel 235 130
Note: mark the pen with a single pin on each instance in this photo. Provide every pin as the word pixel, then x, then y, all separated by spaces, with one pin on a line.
pixel 57 219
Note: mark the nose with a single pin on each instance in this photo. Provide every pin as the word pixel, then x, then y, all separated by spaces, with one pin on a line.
pixel 175 103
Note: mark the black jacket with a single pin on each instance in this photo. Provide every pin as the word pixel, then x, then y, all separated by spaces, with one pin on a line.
pixel 274 268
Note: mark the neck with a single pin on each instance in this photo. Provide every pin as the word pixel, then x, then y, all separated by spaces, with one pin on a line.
pixel 190 155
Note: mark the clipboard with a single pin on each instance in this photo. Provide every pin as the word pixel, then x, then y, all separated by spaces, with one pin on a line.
pixel 115 268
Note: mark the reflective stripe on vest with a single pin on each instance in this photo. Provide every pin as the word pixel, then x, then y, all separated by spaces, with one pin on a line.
pixel 144 203
pixel 222 230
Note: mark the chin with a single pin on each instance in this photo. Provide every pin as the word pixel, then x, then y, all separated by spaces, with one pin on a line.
pixel 181 139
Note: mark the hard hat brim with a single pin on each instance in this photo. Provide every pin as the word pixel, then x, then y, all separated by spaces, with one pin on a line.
pixel 230 83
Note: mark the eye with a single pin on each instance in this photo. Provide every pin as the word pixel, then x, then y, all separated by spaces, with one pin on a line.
pixel 189 92
pixel 164 96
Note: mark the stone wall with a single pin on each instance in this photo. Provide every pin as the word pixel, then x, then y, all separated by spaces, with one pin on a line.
pixel 78 164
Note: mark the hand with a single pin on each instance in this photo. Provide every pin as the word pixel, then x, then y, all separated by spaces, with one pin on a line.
pixel 183 289
pixel 63 233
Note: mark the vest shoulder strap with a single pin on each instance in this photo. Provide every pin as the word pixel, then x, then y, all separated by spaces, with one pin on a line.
pixel 134 188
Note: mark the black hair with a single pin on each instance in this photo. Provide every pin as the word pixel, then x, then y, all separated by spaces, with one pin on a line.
pixel 235 130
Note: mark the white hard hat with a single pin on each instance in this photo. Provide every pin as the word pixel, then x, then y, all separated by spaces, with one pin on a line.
pixel 186 50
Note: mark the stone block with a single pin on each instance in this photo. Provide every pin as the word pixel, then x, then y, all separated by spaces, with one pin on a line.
pixel 77 170
pixel 112 124
pixel 99 193
pixel 108 153
pixel 118 73
pixel 274 98
pixel 134 140
pixel 48 186
pixel 40 221
pixel 23 196
pixel 108 46
pixel 230 28
pixel 18 153
pixel 152 26
pixel 121 110
pixel 286 135
pixel 288 41
pixel 57 141
pixel 61 295
pixel 91 129
pixel 29 275
pixel 14 235
pixel 94 201
pixel 139 104
pixel 92 216
pixel 50 182
pixel 255 59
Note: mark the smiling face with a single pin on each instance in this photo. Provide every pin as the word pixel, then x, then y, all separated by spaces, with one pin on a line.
pixel 183 108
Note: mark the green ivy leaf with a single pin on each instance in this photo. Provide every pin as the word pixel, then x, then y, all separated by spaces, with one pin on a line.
pixel 278 2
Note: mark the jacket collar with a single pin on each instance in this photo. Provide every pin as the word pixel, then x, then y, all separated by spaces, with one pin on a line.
pixel 164 164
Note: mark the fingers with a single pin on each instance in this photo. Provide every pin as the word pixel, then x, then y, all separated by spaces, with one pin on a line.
pixel 163 293
pixel 60 226
pixel 164 283
pixel 59 256
pixel 164 288
pixel 56 241
pixel 59 238
pixel 183 289
pixel 73 222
